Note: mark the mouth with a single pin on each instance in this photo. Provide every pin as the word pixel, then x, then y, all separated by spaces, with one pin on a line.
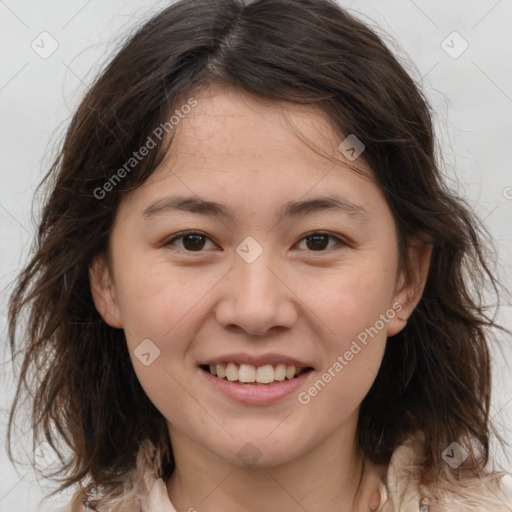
pixel 266 375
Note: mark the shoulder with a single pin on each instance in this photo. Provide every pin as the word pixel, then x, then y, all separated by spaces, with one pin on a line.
pixel 141 489
pixel 406 494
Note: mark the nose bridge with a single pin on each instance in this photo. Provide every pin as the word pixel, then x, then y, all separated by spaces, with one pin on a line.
pixel 252 275
pixel 255 299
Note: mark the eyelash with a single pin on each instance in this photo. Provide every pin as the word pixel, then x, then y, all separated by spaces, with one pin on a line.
pixel 310 234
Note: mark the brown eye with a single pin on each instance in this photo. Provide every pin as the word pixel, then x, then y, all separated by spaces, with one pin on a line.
pixel 317 242
pixel 320 241
pixel 193 242
pixel 190 242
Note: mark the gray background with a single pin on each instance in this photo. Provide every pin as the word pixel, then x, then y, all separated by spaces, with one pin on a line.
pixel 471 94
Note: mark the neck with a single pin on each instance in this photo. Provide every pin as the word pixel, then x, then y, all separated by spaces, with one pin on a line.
pixel 332 475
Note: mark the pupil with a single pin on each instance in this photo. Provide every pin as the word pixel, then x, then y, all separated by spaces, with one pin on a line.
pixel 315 242
pixel 198 242
pixel 318 239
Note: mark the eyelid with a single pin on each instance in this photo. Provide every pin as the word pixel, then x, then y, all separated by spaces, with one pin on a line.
pixel 182 234
pixel 341 241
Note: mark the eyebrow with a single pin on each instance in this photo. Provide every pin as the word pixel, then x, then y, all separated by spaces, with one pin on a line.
pixel 290 209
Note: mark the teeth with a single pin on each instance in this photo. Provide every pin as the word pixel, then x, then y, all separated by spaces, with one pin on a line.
pixel 221 370
pixel 248 373
pixel 265 374
pixel 290 372
pixel 280 372
pixel 231 372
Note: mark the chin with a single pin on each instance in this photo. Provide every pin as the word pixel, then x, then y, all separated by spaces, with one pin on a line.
pixel 259 452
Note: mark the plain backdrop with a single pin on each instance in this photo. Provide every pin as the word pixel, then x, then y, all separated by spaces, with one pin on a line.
pixel 460 51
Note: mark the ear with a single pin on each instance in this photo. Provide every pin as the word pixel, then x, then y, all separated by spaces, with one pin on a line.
pixel 410 288
pixel 103 291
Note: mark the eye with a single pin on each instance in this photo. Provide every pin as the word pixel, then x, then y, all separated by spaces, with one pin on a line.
pixel 192 241
pixel 318 241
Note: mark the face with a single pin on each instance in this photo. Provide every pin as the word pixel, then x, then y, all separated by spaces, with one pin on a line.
pixel 273 271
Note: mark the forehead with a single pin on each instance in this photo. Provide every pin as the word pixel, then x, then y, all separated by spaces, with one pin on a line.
pixel 254 157
pixel 228 120
pixel 230 130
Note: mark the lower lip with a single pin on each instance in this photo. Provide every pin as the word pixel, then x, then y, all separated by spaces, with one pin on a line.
pixel 256 394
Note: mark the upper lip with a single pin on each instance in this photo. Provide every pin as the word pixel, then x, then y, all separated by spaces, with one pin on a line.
pixel 262 360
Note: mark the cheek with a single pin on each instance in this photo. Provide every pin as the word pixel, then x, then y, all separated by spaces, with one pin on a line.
pixel 155 298
pixel 159 311
pixel 354 306
pixel 354 340
pixel 354 298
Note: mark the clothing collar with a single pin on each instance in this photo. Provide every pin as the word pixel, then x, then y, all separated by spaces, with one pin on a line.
pixel 399 487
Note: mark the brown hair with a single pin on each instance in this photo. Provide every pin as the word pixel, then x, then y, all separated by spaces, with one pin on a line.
pixel 77 368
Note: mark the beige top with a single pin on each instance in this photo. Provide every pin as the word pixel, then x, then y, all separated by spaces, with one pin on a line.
pixel 399 490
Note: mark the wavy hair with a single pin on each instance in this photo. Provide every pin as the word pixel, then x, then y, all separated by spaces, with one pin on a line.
pixel 76 368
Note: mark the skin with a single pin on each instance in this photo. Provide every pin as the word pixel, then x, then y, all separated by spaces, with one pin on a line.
pixel 293 299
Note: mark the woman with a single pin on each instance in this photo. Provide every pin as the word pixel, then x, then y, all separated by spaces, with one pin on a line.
pixel 251 287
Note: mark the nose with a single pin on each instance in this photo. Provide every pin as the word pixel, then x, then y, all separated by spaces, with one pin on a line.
pixel 256 297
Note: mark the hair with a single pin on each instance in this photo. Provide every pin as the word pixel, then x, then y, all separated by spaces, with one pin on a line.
pixel 77 369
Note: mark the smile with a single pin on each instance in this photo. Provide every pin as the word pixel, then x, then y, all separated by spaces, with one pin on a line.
pixel 253 392
pixel 248 373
